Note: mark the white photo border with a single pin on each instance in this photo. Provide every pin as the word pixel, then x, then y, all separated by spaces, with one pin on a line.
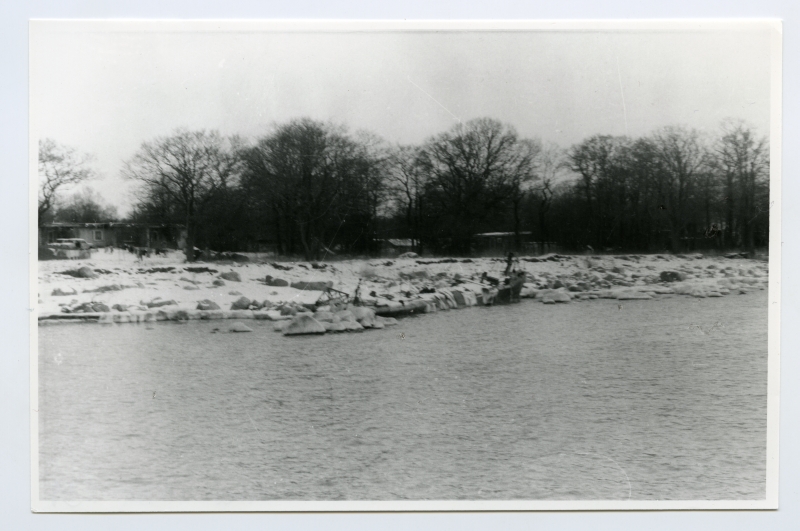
pixel 774 291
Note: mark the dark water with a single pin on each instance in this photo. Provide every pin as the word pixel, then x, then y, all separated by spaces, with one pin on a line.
pixel 656 400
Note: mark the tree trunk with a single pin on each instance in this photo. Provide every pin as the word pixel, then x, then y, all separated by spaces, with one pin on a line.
pixel 189 250
pixel 517 236
pixel 416 226
pixel 729 212
pixel 278 236
pixel 304 242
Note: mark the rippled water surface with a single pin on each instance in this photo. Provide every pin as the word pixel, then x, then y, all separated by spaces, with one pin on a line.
pixel 655 400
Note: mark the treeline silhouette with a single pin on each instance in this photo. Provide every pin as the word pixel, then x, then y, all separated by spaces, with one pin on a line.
pixel 314 189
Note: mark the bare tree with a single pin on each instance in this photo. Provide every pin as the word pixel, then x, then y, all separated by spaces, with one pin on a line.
pixel 472 171
pixel 742 160
pixel 683 158
pixel 523 166
pixel 59 167
pixel 322 185
pixel 189 169
pixel 407 182
pixel 550 163
pixel 85 206
pixel 599 162
pixel 371 158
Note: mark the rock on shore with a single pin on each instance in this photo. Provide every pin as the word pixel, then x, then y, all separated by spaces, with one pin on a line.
pixel 303 324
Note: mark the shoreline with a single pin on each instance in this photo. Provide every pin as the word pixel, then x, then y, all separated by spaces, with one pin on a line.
pixel 115 288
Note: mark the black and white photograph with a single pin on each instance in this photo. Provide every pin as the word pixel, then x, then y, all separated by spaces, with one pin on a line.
pixel 403 266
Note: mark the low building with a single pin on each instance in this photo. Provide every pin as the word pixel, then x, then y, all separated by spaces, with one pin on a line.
pixel 504 242
pixel 396 246
pixel 112 234
pixel 498 242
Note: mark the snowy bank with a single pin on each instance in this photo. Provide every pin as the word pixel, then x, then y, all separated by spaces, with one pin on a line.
pixel 116 288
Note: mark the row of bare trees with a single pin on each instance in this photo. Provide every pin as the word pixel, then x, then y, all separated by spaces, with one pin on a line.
pixel 314 188
pixel 674 189
pixel 463 181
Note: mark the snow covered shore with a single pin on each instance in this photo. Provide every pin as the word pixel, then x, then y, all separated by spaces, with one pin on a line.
pixel 116 288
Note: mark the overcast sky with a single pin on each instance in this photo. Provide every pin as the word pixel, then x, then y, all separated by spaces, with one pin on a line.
pixel 105 92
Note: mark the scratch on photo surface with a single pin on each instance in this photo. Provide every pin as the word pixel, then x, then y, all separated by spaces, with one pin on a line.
pixel 252 422
pixel 434 99
pixel 630 490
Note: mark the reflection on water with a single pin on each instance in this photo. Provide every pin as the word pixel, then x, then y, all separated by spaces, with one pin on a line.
pixel 655 400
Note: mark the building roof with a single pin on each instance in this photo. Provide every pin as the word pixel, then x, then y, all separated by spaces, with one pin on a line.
pixel 69 225
pixel 104 225
pixel 501 234
pixel 397 242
